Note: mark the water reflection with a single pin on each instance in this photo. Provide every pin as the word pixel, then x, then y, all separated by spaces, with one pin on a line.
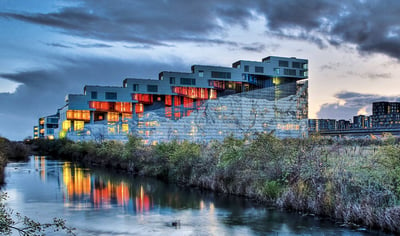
pixel 100 202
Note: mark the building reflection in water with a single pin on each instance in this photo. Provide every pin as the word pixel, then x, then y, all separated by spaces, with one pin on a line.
pixel 40 166
pixel 82 187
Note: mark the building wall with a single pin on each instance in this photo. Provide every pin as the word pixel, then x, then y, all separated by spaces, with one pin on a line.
pixel 239 115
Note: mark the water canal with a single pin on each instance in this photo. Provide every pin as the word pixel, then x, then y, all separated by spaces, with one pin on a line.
pixel 97 202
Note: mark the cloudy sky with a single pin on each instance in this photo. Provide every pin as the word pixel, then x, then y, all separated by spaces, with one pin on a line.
pixel 50 48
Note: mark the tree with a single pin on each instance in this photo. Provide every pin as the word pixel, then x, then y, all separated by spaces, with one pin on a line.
pixel 11 221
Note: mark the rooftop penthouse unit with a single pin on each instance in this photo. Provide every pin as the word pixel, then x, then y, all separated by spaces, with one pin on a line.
pixel 121 110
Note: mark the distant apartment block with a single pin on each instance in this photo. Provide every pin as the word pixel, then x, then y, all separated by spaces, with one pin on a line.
pixel 385 115
pixel 209 102
pixel 46 127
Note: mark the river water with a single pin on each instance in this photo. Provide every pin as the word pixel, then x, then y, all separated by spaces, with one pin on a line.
pixel 98 202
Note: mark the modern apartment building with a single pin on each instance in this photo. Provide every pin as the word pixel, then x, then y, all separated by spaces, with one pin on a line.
pixel 209 102
pixel 385 114
pixel 46 127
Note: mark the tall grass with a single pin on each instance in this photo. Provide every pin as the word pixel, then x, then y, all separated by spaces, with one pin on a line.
pixel 354 182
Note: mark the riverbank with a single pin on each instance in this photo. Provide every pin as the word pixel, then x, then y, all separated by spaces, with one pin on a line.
pixel 11 151
pixel 354 182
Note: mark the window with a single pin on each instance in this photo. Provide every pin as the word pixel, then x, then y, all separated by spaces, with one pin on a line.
pixel 296 64
pixel 220 75
pixel 277 71
pixel 289 72
pixel 111 95
pixel 94 95
pixel 201 73
pixel 188 81
pixel 172 80
pixel 259 69
pixel 136 87
pixel 152 88
pixel 283 63
pixel 246 68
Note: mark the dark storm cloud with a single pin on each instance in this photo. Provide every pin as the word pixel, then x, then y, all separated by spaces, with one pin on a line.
pixel 255 47
pixel 353 103
pixel 371 25
pixel 42 91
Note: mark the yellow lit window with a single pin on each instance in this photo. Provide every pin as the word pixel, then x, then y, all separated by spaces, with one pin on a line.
pixel 112 116
pixel 66 125
pixel 125 128
pixel 79 125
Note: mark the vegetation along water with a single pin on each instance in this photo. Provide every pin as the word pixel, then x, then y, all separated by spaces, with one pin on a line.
pixel 353 182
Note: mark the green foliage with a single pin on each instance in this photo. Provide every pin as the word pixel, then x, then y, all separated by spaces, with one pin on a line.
pixel 182 159
pixel 11 222
pixel 271 189
pixel 231 151
pixel 389 159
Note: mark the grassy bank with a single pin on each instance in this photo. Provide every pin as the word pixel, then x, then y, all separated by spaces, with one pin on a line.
pixel 354 182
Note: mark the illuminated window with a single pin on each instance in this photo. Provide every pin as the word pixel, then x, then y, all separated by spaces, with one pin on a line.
pixel 125 128
pixel 78 115
pixel 113 116
pixel 66 125
pixel 213 94
pixel 79 125
pixel 139 108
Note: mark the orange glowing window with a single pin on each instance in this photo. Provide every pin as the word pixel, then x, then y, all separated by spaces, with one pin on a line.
pixel 41 121
pixel 143 98
pixel 113 116
pixel 78 115
pixel 100 106
pixel 139 108
pixel 123 107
